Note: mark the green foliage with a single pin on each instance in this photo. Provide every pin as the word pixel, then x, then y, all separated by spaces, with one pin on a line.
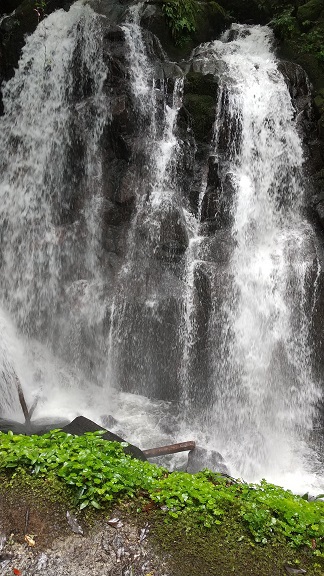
pixel 181 17
pixel 305 36
pixel 40 8
pixel 99 471
pixel 40 4
pixel 284 24
pixel 313 42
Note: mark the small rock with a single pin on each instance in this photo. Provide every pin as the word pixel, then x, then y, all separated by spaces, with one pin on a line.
pixel 115 523
pixel 120 553
pixel 201 458
pixel 5 557
pixel 73 523
pixel 42 561
pixel 292 570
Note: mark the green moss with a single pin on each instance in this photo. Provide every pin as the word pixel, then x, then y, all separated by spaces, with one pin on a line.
pixel 189 548
pixel 225 549
pixel 211 20
pixel 202 524
pixel 310 11
pixel 202 111
pixel 203 84
pixel 99 472
pixel 45 491
pixel 200 92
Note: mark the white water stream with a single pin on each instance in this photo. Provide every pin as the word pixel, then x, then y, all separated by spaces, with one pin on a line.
pixel 264 397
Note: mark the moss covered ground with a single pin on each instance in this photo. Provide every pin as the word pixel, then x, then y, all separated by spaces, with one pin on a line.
pixel 202 524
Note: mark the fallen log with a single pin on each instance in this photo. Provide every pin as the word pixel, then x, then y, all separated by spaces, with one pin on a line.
pixel 171 449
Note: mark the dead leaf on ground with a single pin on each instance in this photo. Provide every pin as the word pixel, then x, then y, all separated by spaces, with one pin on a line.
pixel 30 540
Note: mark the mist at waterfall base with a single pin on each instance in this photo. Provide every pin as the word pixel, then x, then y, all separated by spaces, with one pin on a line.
pixel 70 330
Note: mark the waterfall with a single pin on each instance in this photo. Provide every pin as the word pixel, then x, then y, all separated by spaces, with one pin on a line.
pixel 263 396
pixel 50 189
pixel 121 295
pixel 136 315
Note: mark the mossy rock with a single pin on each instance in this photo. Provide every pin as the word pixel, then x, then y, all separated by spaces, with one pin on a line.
pixel 200 92
pixel 290 49
pixel 203 84
pixel 211 21
pixel 314 69
pixel 319 103
pixel 202 112
pixel 310 11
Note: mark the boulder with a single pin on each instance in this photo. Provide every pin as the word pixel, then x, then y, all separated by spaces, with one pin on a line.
pixel 201 458
pixel 80 425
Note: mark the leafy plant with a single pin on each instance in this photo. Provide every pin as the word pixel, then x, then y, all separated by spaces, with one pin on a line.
pixel 181 17
pixel 40 8
pixel 284 24
pixel 313 41
pixel 100 471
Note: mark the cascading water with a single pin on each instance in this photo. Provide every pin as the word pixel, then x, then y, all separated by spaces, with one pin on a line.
pixel 136 306
pixel 50 206
pixel 128 301
pixel 263 398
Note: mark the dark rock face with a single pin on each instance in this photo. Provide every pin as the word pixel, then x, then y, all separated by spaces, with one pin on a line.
pixel 150 326
pixel 306 117
pixel 199 103
pixel 201 458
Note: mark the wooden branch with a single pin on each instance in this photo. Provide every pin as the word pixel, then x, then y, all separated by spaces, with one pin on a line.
pixel 32 408
pixel 171 449
pixel 22 400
